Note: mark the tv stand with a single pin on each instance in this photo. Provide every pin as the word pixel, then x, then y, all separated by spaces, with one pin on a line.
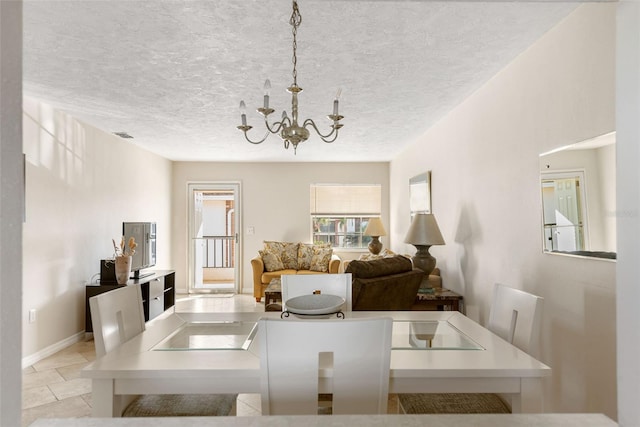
pixel 158 294
pixel 137 275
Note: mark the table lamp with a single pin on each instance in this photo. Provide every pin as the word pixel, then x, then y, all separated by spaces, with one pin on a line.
pixel 375 229
pixel 424 233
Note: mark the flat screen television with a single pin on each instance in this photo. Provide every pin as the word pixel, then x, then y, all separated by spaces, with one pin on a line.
pixel 145 255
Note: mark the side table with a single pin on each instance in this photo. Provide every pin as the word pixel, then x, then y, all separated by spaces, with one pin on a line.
pixel 273 296
pixel 439 299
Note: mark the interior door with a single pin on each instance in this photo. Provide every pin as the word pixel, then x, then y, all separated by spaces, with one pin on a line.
pixel 564 214
pixel 214 252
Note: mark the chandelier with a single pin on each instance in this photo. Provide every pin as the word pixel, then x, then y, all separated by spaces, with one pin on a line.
pixel 288 128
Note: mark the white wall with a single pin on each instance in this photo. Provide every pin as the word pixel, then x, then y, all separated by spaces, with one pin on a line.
pixel 628 210
pixel 486 197
pixel 11 202
pixel 608 183
pixel 82 183
pixel 275 201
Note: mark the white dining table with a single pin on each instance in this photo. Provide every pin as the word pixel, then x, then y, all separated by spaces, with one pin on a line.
pixel 151 363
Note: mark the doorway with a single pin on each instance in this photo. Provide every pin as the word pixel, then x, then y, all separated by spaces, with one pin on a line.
pixel 214 213
pixel 564 213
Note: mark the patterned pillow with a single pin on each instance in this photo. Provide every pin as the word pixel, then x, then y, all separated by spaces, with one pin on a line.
pixel 388 253
pixel 286 251
pixel 305 252
pixel 320 259
pixel 272 262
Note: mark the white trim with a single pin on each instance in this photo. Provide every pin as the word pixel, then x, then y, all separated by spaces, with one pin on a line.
pixel 52 349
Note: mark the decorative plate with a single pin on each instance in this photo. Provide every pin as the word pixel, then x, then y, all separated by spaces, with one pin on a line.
pixel 314 304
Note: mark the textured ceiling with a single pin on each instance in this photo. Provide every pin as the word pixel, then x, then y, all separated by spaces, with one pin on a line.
pixel 172 73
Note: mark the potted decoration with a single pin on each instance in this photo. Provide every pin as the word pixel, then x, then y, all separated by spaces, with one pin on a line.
pixel 123 257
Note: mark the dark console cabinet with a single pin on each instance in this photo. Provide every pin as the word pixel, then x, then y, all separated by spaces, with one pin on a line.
pixel 158 294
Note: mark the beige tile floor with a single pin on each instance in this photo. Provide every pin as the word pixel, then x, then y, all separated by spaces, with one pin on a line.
pixel 52 387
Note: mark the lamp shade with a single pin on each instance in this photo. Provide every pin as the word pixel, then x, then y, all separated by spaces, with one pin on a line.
pixel 424 231
pixel 375 228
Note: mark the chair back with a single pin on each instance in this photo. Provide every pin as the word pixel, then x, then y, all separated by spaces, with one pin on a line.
pixel 516 316
pixel 298 355
pixel 294 285
pixel 117 316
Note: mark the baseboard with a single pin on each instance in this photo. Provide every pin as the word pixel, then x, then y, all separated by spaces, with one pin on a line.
pixel 52 349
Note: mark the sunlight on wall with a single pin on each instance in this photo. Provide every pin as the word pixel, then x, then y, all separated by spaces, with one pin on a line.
pixel 56 141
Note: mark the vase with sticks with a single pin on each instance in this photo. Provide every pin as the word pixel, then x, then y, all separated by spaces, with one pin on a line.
pixel 123 256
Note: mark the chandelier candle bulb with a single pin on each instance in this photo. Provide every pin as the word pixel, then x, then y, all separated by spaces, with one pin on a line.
pixel 243 113
pixel 335 102
pixel 267 89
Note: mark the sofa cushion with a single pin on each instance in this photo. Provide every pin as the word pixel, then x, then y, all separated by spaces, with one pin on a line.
pixel 379 267
pixel 305 253
pixel 272 261
pixel 310 272
pixel 267 276
pixel 392 292
pixel 286 251
pixel 320 259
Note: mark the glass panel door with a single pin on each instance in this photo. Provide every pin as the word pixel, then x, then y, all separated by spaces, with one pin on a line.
pixel 213 248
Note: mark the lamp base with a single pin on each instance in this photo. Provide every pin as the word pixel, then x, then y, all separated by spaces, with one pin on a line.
pixel 375 246
pixel 423 259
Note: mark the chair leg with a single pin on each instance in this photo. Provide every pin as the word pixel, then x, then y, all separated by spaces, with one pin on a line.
pixel 399 408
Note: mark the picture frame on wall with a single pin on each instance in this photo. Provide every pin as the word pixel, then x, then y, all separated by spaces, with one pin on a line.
pixel 420 193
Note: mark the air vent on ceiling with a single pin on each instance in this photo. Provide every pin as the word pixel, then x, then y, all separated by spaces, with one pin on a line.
pixel 123 134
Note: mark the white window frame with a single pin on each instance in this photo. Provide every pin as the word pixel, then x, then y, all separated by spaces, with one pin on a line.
pixel 342 233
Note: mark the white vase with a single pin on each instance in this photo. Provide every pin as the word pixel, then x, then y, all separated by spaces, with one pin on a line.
pixel 123 269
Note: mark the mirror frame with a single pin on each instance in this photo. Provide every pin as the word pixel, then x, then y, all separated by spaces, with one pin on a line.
pixel 589 143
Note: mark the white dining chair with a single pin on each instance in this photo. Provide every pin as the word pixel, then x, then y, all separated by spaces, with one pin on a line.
pixel 297 355
pixel 117 316
pixel 294 285
pixel 516 317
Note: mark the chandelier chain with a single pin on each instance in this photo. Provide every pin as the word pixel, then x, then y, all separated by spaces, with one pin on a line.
pixel 295 21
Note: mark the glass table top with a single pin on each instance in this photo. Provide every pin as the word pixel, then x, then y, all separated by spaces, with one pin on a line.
pixel 430 335
pixel 230 335
pixel 222 335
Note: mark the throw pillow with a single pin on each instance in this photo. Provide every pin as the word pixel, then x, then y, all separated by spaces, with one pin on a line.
pixel 320 259
pixel 388 253
pixel 272 262
pixel 369 256
pixel 286 251
pixel 305 252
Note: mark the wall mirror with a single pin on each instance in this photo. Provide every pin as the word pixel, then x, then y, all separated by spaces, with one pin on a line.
pixel 420 193
pixel 578 187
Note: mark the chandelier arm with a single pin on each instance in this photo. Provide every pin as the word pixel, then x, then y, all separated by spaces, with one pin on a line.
pixel 276 128
pixel 325 138
pixel 266 135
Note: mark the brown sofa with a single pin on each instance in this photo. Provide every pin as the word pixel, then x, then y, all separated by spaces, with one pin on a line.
pixel 384 284
pixel 262 278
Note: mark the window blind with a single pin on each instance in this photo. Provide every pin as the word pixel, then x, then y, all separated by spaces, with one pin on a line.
pixel 332 199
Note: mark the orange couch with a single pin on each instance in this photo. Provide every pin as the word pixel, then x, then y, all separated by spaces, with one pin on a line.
pixel 262 278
